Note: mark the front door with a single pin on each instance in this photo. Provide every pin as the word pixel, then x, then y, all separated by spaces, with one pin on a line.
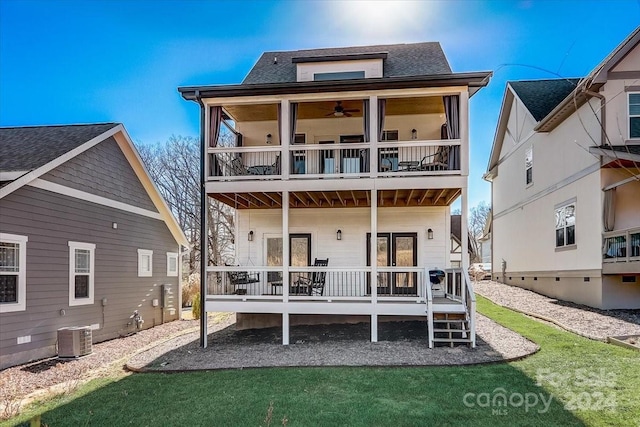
pixel 395 250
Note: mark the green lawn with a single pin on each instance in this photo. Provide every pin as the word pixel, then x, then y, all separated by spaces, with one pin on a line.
pixel 599 383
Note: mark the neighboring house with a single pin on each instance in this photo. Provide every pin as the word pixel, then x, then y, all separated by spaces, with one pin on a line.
pixel 456 242
pixel 566 190
pixel 85 238
pixel 485 240
pixel 331 147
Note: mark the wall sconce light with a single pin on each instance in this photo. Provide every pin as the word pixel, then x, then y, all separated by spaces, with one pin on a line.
pixel 430 234
pixel 339 235
pixel 414 134
pixel 268 138
pixel 250 236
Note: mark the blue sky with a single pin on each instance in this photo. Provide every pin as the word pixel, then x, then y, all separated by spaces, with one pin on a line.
pixel 97 61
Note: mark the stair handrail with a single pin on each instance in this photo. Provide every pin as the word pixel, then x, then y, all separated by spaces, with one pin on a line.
pixel 470 303
pixel 427 284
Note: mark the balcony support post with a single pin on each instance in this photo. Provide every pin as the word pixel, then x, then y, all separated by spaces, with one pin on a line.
pixel 285 137
pixel 464 236
pixel 374 256
pixel 373 135
pixel 285 328
pixel 464 133
pixel 285 246
pixel 374 328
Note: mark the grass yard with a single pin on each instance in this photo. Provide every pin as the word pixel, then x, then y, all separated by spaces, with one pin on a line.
pixel 583 382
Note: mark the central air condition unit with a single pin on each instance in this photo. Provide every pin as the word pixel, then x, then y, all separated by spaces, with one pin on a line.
pixel 74 341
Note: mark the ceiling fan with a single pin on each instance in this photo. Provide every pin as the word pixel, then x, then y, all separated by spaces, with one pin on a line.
pixel 340 111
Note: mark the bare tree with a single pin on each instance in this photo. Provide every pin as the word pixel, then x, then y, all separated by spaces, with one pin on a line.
pixel 477 219
pixel 174 167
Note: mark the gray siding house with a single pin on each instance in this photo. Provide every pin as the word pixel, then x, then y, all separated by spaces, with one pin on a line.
pixel 85 239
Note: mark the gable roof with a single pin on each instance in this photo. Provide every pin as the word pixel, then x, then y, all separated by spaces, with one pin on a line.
pixel 402 60
pixel 575 98
pixel 542 96
pixel 28 148
pixel 456 231
pixel 52 146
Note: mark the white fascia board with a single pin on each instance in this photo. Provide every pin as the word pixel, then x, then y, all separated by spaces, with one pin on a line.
pixel 12 175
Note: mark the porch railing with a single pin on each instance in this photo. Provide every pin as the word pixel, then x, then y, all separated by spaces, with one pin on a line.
pixel 455 284
pixel 470 303
pixel 621 245
pixel 309 161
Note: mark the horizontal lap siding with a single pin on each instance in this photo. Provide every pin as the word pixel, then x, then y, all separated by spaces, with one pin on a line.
pixel 103 170
pixel 50 221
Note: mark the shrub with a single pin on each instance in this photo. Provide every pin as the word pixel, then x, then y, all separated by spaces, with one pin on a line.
pixel 195 307
pixel 189 288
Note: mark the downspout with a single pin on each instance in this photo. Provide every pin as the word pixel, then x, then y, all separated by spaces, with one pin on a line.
pixel 204 235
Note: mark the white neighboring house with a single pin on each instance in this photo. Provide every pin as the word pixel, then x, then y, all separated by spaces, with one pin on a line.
pixel 331 147
pixel 565 190
pixel 485 240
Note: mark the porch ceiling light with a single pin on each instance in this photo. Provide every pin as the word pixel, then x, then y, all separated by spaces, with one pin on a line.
pixel 339 235
pixel 414 134
pixel 430 234
pixel 250 236
pixel 268 138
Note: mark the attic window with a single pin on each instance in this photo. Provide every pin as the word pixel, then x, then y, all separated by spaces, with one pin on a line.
pixel 340 75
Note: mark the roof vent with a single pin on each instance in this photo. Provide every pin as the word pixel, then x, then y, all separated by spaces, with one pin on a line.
pixel 275 59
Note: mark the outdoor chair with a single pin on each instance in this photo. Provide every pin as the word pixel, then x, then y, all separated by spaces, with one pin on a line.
pixel 241 278
pixel 313 285
pixel 237 168
pixel 436 161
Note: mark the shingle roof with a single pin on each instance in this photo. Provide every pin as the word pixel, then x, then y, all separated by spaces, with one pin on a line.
pixel 542 96
pixel 28 148
pixel 403 60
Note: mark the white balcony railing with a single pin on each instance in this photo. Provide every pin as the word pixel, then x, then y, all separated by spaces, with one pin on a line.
pixel 309 161
pixel 621 245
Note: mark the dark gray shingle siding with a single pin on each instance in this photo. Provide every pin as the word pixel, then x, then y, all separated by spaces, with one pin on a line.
pixel 542 96
pixel 28 148
pixel 403 60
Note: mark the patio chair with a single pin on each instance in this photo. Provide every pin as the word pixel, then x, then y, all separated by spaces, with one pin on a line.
pixel 436 161
pixel 237 168
pixel 313 285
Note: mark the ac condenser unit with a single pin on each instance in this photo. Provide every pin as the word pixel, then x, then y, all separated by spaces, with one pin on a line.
pixel 74 341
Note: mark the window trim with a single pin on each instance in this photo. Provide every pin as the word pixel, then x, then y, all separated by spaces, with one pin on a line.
pixel 142 253
pixel 629 116
pixel 169 272
pixel 528 151
pixel 21 304
pixel 566 246
pixel 73 301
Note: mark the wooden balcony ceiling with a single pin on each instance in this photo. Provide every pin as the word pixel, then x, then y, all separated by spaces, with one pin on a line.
pixel 320 109
pixel 339 199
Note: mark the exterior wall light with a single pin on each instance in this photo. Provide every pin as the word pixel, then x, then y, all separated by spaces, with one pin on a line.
pixel 430 234
pixel 268 138
pixel 339 235
pixel 414 134
pixel 250 236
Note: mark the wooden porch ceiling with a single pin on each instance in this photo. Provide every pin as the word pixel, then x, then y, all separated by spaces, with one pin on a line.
pixel 321 109
pixel 339 199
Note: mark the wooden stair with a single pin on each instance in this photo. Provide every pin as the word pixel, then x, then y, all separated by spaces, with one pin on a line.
pixel 451 329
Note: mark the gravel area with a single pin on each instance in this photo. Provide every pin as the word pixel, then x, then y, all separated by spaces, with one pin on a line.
pixel 18 382
pixel 589 322
pixel 401 344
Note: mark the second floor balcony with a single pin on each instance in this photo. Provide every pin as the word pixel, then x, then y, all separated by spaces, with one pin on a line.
pixel 354 138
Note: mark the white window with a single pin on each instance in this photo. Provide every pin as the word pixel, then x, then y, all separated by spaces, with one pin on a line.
pixel 528 165
pixel 172 264
pixel 634 115
pixel 145 263
pixel 81 273
pixel 13 284
pixel 565 224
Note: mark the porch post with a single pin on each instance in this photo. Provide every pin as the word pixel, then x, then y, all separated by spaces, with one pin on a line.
pixel 204 226
pixel 373 135
pixel 285 137
pixel 464 133
pixel 374 265
pixel 464 235
pixel 285 266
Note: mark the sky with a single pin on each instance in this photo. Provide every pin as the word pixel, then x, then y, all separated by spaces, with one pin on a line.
pixel 64 61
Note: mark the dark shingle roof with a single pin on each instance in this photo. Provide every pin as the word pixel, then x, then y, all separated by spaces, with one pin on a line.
pixel 28 148
pixel 542 96
pixel 403 60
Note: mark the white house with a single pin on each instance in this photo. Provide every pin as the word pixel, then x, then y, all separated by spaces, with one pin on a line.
pixel 330 147
pixel 565 171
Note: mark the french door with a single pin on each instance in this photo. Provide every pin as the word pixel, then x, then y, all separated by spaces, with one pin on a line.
pixel 395 250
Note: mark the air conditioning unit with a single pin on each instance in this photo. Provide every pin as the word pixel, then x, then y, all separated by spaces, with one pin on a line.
pixel 74 341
